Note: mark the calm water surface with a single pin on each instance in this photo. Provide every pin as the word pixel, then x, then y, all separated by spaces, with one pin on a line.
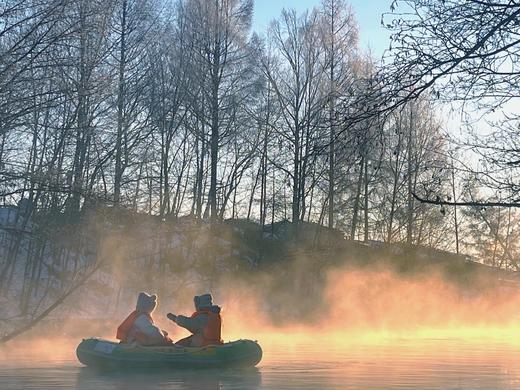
pixel 402 364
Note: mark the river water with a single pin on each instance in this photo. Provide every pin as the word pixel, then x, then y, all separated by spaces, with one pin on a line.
pixel 402 363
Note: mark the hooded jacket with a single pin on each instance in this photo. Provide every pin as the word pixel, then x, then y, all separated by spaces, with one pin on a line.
pixel 139 325
pixel 205 323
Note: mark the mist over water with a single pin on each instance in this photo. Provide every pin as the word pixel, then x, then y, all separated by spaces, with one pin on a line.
pixel 356 317
pixel 366 329
pixel 395 363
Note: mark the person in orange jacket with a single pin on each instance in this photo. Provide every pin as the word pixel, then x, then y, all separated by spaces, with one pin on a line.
pixel 139 326
pixel 204 324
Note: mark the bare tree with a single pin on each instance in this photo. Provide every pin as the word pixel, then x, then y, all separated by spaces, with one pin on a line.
pixel 220 28
pixel 296 80
pixel 339 35
pixel 458 51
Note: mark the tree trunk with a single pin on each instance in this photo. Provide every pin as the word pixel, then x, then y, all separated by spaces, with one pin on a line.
pixel 356 200
pixel 82 117
pixel 455 208
pixel 332 132
pixel 296 180
pixel 409 213
pixel 395 183
pixel 365 207
pixel 215 136
pixel 120 108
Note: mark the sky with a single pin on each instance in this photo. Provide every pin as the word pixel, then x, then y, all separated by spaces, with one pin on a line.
pixel 368 15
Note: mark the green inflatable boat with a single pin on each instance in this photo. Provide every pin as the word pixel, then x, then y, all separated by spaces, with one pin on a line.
pixel 108 354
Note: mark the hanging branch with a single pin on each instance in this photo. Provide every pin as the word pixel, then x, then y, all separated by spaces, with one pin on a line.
pixel 51 308
pixel 441 202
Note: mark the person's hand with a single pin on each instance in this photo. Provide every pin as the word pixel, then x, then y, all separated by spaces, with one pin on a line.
pixel 171 316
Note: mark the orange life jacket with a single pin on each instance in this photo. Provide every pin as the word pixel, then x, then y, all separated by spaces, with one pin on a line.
pixel 123 330
pixel 211 332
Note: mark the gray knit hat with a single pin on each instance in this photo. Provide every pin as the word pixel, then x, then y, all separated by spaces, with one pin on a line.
pixel 203 301
pixel 146 302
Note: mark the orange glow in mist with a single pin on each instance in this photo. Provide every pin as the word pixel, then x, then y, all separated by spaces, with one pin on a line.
pixel 359 308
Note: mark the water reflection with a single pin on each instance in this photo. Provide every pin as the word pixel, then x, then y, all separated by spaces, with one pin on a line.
pixel 431 363
pixel 214 379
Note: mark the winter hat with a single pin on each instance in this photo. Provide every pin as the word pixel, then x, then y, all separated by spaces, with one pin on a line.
pixel 146 302
pixel 204 300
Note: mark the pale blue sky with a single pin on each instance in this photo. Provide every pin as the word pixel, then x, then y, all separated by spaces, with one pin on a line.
pixel 368 14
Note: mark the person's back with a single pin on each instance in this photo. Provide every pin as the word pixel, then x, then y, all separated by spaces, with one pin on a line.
pixel 205 323
pixel 139 326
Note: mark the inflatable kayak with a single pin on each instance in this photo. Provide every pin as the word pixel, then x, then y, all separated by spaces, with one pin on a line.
pixel 108 354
